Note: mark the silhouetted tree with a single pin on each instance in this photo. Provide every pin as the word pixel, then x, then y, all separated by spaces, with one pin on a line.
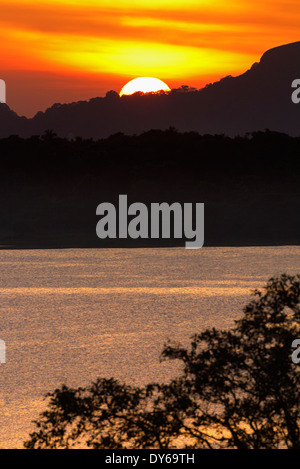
pixel 112 95
pixel 49 135
pixel 242 385
pixel 184 89
pixel 239 389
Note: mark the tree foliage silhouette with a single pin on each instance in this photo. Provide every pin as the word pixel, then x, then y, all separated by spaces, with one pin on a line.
pixel 239 389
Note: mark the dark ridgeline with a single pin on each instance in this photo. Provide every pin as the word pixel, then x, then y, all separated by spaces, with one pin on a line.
pixel 256 100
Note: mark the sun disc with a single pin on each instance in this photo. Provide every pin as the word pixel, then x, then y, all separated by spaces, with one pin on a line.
pixel 144 85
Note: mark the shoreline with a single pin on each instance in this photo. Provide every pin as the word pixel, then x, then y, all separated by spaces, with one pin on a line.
pixel 25 247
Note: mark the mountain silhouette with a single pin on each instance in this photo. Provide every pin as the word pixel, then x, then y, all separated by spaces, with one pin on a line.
pixel 256 100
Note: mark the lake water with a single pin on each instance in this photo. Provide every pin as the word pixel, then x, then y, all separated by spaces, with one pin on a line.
pixel 70 316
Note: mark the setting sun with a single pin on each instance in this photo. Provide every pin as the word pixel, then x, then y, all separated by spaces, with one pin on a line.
pixel 144 85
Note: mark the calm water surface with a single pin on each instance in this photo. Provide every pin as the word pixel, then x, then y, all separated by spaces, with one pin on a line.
pixel 69 316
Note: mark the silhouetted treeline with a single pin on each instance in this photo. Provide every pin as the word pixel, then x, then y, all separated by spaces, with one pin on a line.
pixel 50 187
pixel 275 154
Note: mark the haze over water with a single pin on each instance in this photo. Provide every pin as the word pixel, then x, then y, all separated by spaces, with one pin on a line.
pixel 70 316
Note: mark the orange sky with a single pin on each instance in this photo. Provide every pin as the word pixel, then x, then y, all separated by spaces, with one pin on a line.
pixel 69 50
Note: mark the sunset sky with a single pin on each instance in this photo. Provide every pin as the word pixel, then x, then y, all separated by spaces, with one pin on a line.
pixel 69 50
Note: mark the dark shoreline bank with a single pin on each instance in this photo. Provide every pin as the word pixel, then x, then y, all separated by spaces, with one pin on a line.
pixel 50 188
pixel 29 247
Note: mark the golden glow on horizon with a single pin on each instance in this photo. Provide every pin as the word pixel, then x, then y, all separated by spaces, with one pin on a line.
pixel 144 85
pixel 130 58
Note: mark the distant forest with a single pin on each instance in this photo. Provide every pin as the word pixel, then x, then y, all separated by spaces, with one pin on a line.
pixel 50 186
